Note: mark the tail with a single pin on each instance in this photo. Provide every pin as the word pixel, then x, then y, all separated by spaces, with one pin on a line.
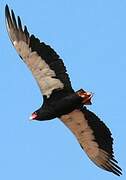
pixel 86 96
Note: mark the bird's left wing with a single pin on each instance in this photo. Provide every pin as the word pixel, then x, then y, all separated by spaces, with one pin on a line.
pixel 94 137
pixel 46 66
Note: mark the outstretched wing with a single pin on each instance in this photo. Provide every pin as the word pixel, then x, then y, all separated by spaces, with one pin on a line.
pixel 94 137
pixel 46 66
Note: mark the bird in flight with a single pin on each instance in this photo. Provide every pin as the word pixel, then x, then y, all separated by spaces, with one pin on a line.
pixel 59 98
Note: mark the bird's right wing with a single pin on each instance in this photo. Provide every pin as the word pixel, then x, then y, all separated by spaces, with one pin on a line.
pixel 94 137
pixel 46 66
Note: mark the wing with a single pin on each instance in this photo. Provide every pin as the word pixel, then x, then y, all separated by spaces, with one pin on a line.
pixel 46 66
pixel 94 137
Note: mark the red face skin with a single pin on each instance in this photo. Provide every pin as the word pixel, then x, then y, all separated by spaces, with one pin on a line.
pixel 33 116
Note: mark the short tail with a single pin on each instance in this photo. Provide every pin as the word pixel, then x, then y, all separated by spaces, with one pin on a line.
pixel 86 96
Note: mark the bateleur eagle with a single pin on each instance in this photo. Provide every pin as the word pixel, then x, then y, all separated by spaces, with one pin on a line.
pixel 59 99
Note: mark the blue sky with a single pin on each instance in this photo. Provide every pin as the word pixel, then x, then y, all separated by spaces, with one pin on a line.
pixel 91 38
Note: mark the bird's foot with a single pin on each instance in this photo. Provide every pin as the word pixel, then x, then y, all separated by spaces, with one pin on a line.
pixel 86 96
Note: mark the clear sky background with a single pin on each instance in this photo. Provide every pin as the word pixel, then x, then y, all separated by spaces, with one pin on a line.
pixel 91 38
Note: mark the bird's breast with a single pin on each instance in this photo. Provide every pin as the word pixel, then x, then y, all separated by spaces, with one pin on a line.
pixel 66 105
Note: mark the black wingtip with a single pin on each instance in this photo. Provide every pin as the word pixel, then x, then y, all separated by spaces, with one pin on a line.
pixel 7 10
pixel 26 31
pixel 14 19
pixel 8 15
pixel 19 23
pixel 6 7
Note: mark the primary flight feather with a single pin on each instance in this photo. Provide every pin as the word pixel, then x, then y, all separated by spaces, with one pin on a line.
pixel 60 100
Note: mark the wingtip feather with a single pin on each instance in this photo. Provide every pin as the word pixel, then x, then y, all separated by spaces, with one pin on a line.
pixel 7 12
pixel 14 19
pixel 6 8
pixel 19 23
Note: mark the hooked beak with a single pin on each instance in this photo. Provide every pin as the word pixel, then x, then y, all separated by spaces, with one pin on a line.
pixel 33 116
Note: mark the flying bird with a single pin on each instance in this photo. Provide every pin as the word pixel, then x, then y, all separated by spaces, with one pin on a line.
pixel 59 98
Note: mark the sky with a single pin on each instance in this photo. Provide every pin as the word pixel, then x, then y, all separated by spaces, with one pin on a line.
pixel 90 36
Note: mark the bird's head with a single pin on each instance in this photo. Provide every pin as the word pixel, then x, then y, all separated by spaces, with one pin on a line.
pixel 42 114
pixel 36 115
